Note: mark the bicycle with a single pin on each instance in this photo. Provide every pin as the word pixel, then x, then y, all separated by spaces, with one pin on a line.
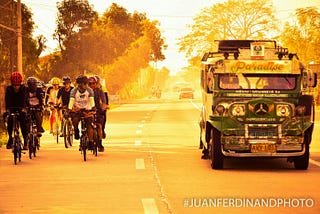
pixel 67 128
pixel 84 138
pixel 56 124
pixel 33 139
pixel 16 143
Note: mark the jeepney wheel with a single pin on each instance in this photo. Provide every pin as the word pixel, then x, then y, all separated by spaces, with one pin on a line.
pixel 302 162
pixel 215 149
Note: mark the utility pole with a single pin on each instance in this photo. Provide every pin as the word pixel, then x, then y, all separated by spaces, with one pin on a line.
pixel 19 31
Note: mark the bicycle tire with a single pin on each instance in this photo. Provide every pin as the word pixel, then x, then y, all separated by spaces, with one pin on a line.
pixel 34 148
pixel 83 144
pixel 19 153
pixel 95 142
pixel 30 145
pixel 65 134
pixel 15 155
pixel 56 131
pixel 70 132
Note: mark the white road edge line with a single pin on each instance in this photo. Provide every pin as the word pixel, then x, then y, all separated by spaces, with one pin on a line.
pixel 149 206
pixel 140 163
pixel 317 163
pixel 195 105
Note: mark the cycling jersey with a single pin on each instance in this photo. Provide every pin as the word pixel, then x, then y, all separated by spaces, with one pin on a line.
pixel 81 100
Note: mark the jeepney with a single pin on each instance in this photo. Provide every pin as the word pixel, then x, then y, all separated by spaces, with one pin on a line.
pixel 255 103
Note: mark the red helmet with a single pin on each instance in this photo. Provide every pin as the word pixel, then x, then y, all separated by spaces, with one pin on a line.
pixel 16 78
pixel 92 80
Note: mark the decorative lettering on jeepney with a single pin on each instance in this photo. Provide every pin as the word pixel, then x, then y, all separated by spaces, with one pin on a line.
pixel 259 66
pixel 255 66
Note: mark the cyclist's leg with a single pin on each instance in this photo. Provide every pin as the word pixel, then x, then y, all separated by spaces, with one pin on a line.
pixel 51 120
pixel 9 129
pixel 90 130
pixel 100 122
pixel 75 123
pixel 38 117
pixel 104 121
pixel 99 129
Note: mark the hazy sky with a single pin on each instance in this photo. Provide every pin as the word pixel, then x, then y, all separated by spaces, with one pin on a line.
pixel 173 16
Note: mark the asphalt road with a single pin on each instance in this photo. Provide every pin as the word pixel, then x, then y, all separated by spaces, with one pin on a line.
pixel 152 164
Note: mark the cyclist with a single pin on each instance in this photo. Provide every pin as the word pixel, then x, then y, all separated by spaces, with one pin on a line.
pixel 105 91
pixel 35 99
pixel 64 94
pixel 51 99
pixel 15 97
pixel 99 99
pixel 81 98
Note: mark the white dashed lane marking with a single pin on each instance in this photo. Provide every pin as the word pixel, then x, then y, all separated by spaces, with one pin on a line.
pixel 317 163
pixel 140 163
pixel 137 142
pixel 149 206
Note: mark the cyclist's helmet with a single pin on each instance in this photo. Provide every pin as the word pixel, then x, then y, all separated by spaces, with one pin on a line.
pixel 93 80
pixel 97 78
pixel 32 84
pixel 16 78
pixel 82 79
pixel 55 81
pixel 66 79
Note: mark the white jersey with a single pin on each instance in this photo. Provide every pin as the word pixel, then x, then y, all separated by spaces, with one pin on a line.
pixel 81 100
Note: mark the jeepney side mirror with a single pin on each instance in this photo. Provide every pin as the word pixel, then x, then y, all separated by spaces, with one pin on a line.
pixel 312 79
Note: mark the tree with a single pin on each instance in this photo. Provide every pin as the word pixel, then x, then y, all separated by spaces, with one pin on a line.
pixel 73 16
pixel 31 48
pixel 234 19
pixel 303 37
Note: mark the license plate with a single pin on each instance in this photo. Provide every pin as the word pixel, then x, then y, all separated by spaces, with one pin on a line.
pixel 263 147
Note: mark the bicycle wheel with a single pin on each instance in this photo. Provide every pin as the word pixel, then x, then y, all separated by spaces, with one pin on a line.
pixel 56 130
pixel 30 145
pixel 83 144
pixel 67 133
pixel 70 132
pixel 35 145
pixel 15 154
pixel 95 142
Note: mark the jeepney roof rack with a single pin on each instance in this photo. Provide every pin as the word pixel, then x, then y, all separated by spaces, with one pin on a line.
pixel 226 47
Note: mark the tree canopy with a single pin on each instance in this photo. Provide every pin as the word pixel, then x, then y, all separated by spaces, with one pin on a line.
pixel 233 19
pixel 303 37
pixel 117 44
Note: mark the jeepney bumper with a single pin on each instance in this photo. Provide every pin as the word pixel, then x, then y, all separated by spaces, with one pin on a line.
pixel 238 146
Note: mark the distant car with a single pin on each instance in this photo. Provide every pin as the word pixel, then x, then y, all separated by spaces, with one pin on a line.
pixel 186 92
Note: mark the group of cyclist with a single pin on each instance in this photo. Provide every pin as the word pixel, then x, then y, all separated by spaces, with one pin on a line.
pixel 86 96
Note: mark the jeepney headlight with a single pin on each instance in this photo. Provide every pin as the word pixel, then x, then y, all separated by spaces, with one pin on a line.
pixel 220 109
pixel 238 110
pixel 300 110
pixel 283 110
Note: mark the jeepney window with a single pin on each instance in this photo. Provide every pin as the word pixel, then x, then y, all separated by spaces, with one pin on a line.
pixel 229 81
pixel 257 81
pixel 279 82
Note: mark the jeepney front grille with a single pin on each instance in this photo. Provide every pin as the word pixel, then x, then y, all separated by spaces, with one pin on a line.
pixel 263 131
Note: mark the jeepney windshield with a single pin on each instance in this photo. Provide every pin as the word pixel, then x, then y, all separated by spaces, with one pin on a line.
pixel 257 81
